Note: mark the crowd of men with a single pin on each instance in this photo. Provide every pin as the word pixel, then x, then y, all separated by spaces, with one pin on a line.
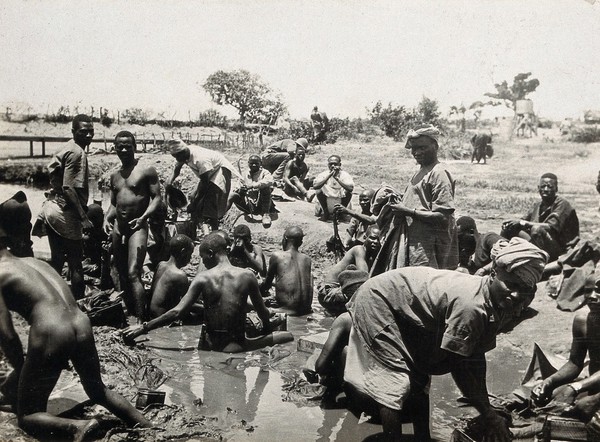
pixel 417 293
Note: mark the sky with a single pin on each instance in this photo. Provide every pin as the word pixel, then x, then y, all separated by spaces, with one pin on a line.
pixel 341 55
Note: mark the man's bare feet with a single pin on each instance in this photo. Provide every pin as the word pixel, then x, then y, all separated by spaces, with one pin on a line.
pixel 85 429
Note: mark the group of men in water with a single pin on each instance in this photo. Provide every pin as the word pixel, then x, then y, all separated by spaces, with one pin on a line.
pixel 402 312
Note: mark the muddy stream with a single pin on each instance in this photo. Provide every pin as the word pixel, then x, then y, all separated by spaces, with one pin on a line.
pixel 248 393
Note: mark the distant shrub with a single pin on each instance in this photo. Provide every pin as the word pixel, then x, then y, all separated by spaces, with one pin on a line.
pixel 62 115
pixel 351 129
pixel 545 123
pixel 585 134
pixel 135 115
pixel 397 121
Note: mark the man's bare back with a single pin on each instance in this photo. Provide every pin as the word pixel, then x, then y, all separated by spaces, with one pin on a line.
pixel 293 281
pixel 168 286
pixel 225 290
pixel 59 332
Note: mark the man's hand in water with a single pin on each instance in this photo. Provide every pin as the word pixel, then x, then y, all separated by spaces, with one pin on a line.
pixel 133 331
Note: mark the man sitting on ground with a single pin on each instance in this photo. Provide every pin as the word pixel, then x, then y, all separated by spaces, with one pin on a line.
pixel 246 255
pixel 170 283
pixel 59 333
pixel 551 224
pixel 224 290
pixel 334 186
pixel 475 248
pixel 560 386
pixel 329 292
pixel 361 221
pixel 254 195
pixel 295 180
pixel 291 270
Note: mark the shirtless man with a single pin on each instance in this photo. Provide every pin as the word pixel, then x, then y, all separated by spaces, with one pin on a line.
pixel 135 196
pixel 357 230
pixel 560 386
pixel 329 292
pixel 244 254
pixel 59 332
pixel 295 183
pixel 170 283
pixel 291 270
pixel 224 290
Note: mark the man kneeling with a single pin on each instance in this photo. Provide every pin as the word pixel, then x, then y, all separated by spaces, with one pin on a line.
pixel 59 333
pixel 224 290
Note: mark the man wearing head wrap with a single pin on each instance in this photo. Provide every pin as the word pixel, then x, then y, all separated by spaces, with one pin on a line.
pixel 414 322
pixel 209 202
pixel 428 205
pixel 15 218
pixel 551 224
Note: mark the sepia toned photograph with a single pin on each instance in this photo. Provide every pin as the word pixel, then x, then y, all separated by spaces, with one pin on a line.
pixel 300 220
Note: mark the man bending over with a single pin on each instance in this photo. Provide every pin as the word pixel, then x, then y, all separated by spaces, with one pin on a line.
pixel 224 290
pixel 59 333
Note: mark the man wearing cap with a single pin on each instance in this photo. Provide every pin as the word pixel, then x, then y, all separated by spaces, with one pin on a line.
pixel 254 194
pixel 428 205
pixel 209 202
pixel 134 199
pixel 333 186
pixel 414 322
pixel 276 156
pixel 65 211
pixel 18 230
pixel 551 224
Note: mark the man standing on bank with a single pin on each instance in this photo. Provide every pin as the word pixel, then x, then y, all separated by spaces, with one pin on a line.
pixel 65 211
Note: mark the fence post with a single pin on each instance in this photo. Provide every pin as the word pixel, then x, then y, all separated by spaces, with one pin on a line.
pixel 43 147
pixel 30 148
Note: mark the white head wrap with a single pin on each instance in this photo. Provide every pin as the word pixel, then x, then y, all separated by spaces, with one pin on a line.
pixel 430 131
pixel 520 257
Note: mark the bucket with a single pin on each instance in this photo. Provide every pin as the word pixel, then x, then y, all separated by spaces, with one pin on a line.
pixel 146 397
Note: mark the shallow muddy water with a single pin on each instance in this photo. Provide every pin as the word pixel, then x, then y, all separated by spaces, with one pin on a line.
pixel 245 392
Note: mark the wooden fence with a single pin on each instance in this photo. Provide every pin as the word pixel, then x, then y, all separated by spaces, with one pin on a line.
pixel 245 141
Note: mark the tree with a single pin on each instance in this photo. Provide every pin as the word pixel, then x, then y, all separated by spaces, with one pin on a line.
pixel 521 87
pixel 247 92
pixel 396 121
